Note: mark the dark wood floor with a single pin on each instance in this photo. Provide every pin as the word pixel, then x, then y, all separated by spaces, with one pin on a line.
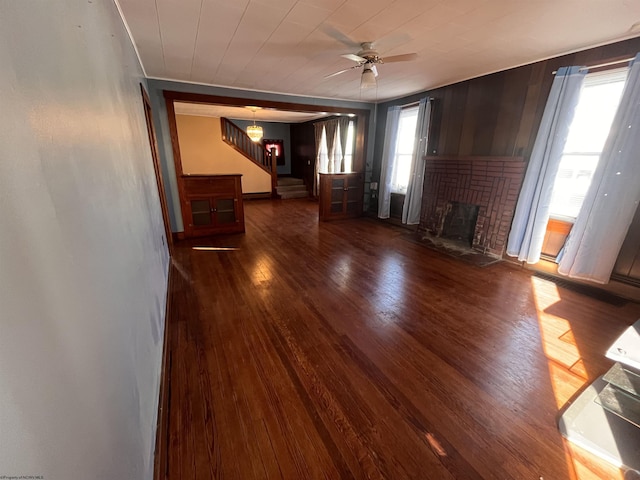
pixel 344 350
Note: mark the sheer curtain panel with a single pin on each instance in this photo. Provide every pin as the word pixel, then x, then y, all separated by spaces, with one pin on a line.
pixel 532 211
pixel 388 156
pixel 595 240
pixel 413 199
pixel 317 130
pixel 331 129
pixel 343 124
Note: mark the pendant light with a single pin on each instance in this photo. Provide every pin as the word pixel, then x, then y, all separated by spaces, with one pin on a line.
pixel 369 74
pixel 254 131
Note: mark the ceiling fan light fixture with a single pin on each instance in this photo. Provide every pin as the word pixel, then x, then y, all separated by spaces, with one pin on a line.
pixel 368 78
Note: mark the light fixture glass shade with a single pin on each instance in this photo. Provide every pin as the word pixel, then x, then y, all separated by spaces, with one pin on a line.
pixel 368 79
pixel 255 132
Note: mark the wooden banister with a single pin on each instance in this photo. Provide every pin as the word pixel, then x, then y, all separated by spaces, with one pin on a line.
pixel 236 138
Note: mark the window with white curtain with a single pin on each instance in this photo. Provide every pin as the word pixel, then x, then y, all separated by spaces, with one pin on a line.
pixel 348 157
pixel 588 133
pixel 405 144
pixel 323 152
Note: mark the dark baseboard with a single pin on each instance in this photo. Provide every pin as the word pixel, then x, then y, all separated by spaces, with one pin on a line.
pixel 256 196
pixel 160 470
pixel 178 236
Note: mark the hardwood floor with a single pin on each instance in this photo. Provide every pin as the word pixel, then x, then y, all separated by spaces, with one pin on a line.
pixel 344 350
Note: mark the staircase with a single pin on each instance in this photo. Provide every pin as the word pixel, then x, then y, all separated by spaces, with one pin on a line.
pixel 289 187
pixel 236 138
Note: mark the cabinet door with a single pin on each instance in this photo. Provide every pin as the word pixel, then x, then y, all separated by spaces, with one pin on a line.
pixel 224 211
pixel 338 187
pixel 201 210
pixel 353 196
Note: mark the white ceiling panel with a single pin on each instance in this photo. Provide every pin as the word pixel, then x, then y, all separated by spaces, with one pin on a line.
pixel 178 27
pixel 218 23
pixel 308 15
pixel 290 46
pixel 254 29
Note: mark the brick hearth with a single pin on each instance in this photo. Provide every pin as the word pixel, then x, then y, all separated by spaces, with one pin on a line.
pixel 492 183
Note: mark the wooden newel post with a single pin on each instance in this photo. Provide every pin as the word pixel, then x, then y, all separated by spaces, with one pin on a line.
pixel 274 172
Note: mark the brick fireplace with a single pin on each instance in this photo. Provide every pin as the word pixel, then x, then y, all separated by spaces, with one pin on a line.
pixel 491 183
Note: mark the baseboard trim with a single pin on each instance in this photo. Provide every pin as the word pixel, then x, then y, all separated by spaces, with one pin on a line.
pixel 160 467
pixel 256 196
pixel 178 236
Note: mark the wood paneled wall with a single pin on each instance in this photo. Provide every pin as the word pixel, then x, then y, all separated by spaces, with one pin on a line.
pixel 303 152
pixel 498 114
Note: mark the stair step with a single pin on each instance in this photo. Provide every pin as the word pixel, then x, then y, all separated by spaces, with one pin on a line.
pixel 291 188
pixel 296 194
pixel 288 181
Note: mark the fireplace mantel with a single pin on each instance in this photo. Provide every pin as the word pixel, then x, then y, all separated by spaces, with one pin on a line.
pixel 492 183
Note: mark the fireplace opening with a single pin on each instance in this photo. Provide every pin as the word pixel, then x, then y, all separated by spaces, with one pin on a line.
pixel 460 222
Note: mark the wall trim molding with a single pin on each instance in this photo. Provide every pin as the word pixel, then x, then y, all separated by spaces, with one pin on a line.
pixel 161 457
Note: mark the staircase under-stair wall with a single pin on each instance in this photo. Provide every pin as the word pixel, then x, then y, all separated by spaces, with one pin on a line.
pixel 235 137
pixel 289 187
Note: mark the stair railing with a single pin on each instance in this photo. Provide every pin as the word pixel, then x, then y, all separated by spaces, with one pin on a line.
pixel 236 138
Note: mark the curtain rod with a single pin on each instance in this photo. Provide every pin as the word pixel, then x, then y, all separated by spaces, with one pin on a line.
pixel 417 102
pixel 626 60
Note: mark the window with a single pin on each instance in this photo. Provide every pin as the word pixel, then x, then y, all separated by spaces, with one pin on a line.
pixel 348 157
pixel 588 133
pixel 323 152
pixel 405 144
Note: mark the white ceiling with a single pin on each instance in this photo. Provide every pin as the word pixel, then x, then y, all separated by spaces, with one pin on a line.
pixel 289 46
pixel 245 113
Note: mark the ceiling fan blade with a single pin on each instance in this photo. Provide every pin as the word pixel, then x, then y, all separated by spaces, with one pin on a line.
pixel 339 36
pixel 355 58
pixel 400 58
pixel 341 71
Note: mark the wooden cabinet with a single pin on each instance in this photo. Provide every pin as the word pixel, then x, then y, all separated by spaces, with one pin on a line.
pixel 212 205
pixel 340 195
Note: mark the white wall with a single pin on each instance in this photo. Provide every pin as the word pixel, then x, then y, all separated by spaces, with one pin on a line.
pixel 82 257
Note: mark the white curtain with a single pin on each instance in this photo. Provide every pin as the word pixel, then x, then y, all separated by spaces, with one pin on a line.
pixel 343 124
pixel 388 163
pixel 595 240
pixel 331 129
pixel 413 198
pixel 532 211
pixel 318 128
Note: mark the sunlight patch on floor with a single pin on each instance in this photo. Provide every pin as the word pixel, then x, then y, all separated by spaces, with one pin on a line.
pixel 558 344
pixel 566 371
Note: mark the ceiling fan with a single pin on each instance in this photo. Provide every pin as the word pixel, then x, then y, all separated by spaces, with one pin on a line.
pixel 367 59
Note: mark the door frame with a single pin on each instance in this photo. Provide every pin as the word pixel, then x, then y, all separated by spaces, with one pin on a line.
pixel 153 145
pixel 171 96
